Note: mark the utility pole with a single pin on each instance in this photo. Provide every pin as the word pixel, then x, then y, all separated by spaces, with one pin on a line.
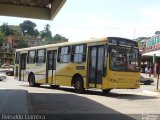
pixel 158 78
pixel 134 33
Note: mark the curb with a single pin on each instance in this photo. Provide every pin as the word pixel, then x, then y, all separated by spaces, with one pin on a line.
pixel 150 92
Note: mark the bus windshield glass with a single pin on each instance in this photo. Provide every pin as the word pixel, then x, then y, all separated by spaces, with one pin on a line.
pixel 124 58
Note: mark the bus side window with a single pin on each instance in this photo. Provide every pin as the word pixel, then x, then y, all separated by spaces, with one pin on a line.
pixel 78 53
pixel 64 54
pixel 31 57
pixel 41 56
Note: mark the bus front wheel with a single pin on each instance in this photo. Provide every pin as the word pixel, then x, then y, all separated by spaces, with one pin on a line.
pixel 79 85
pixel 32 80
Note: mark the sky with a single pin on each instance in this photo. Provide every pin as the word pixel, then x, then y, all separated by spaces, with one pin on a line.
pixel 86 19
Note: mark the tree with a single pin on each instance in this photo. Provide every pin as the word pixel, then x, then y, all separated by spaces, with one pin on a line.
pixel 23 43
pixel 58 38
pixel 36 32
pixel 28 27
pixel 6 30
pixel 2 37
pixel 46 33
pixel 157 32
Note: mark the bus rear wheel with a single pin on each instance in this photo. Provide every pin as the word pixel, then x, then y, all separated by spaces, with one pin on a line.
pixel 31 80
pixel 79 85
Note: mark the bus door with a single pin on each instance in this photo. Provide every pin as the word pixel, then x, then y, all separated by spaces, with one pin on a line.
pixel 51 66
pixel 22 67
pixel 95 66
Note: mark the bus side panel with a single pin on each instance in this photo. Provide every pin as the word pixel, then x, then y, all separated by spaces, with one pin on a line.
pixel 65 72
pixel 63 80
pixel 39 72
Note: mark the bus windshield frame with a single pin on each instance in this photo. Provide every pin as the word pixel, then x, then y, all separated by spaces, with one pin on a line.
pixel 123 58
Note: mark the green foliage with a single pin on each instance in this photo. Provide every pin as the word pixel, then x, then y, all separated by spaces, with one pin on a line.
pixel 42 34
pixel 46 33
pixel 36 32
pixel 6 30
pixel 23 43
pixel 59 38
pixel 56 39
pixel 28 27
pixel 2 37
pixel 157 32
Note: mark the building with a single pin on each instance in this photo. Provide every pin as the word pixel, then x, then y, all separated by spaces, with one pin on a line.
pixel 6 54
pixel 13 41
pixel 8 48
pixel 151 53
pixel 33 41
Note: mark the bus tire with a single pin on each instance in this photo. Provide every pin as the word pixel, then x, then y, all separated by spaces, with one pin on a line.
pixel 79 85
pixel 31 80
pixel 106 91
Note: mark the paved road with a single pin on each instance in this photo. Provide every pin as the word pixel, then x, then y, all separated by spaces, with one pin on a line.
pixel 65 101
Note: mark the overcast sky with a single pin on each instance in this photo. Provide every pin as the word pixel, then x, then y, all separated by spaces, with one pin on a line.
pixel 85 19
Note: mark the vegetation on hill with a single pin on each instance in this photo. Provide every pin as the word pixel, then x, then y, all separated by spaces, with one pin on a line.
pixel 28 28
pixel 2 36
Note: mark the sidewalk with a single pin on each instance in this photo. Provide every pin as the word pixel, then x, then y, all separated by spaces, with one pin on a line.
pixel 155 82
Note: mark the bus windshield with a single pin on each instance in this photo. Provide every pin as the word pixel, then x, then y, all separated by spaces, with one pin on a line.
pixel 124 58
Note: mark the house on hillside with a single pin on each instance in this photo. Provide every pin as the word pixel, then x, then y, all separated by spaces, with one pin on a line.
pixel 8 48
pixel 33 41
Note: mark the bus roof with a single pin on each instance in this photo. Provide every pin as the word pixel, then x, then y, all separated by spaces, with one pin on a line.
pixel 62 44
pixel 70 43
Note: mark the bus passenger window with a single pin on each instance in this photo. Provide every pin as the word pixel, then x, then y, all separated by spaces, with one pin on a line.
pixel 79 53
pixel 41 56
pixel 31 57
pixel 64 54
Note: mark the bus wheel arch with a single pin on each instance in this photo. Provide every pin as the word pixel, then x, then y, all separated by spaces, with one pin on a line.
pixel 31 80
pixel 78 83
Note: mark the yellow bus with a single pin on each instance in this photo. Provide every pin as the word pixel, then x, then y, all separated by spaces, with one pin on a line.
pixel 107 63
